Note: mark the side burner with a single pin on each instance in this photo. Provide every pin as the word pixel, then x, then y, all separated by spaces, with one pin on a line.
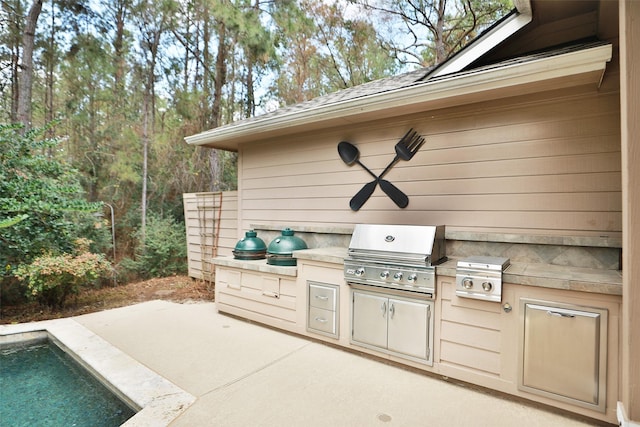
pixel 480 277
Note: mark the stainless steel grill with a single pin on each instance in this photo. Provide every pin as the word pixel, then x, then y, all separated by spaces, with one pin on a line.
pixel 400 257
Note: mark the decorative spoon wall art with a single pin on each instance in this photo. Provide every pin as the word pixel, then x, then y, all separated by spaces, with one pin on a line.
pixel 405 149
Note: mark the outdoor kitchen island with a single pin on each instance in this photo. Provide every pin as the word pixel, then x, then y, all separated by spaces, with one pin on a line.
pixel 479 342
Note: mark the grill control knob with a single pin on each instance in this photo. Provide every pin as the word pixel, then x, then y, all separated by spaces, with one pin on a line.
pixel 487 286
pixel 360 271
pixel 467 283
pixel 384 275
pixel 398 276
pixel 412 278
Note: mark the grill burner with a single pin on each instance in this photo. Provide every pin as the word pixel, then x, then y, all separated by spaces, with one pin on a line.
pixel 400 257
pixel 480 277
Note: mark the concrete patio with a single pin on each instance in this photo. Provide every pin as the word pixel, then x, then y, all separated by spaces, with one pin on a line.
pixel 243 374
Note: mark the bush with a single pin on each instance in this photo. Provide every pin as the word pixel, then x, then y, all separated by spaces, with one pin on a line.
pixel 50 279
pixel 164 252
pixel 42 204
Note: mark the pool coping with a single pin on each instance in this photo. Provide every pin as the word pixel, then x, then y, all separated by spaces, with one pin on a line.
pixel 157 400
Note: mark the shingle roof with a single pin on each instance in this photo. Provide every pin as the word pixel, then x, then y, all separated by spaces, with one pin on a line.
pixel 411 78
pixel 370 88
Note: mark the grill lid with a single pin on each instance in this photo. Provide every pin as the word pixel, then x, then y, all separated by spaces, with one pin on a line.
pixel 413 244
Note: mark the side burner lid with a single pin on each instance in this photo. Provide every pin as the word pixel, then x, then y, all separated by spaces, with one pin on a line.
pixel 484 263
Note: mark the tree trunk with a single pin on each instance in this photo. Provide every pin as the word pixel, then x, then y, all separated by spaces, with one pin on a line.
pixel 26 75
pixel 50 79
pixel 15 41
pixel 146 118
pixel 220 77
pixel 441 51
pixel 120 14
pixel 152 42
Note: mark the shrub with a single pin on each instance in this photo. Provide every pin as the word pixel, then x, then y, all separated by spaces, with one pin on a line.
pixel 42 205
pixel 50 279
pixel 164 252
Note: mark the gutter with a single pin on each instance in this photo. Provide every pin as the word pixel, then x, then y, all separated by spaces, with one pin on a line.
pixel 449 91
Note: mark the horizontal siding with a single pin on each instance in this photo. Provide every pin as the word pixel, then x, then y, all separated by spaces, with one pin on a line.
pixel 547 163
pixel 227 236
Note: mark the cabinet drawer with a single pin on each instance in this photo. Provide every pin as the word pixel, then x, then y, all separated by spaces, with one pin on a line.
pixel 322 297
pixel 230 278
pixel 322 320
pixel 271 287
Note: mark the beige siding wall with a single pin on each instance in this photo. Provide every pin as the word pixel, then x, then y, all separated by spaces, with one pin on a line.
pixel 222 208
pixel 547 163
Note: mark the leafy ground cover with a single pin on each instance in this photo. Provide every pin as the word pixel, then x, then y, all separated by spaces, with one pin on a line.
pixel 181 289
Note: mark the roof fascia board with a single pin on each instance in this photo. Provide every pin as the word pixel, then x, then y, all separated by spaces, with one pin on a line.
pixel 487 41
pixel 473 82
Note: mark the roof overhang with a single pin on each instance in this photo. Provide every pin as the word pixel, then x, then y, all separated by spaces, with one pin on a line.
pixel 488 40
pixel 574 68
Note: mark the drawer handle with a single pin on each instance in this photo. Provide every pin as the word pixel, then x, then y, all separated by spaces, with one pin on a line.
pixel 322 297
pixel 321 320
pixel 270 294
pixel 558 314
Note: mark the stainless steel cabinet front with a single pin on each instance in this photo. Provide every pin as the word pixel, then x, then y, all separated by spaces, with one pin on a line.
pixel 369 319
pixel 563 352
pixel 394 325
pixel 408 328
pixel 322 309
pixel 322 296
pixel 322 320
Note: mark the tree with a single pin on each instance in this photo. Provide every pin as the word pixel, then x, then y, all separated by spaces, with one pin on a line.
pixel 433 29
pixel 25 81
pixel 152 20
pixel 11 31
pixel 323 51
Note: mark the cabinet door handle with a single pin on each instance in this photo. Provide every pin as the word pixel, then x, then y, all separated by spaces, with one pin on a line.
pixel 559 314
pixel 392 310
pixel 270 294
pixel 321 320
pixel 383 307
pixel 322 297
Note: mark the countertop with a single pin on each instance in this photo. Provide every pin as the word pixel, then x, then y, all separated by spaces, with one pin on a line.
pixel 528 274
pixel 551 276
pixel 256 265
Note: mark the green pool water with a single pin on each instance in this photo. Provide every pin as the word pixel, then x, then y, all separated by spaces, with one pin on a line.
pixel 40 385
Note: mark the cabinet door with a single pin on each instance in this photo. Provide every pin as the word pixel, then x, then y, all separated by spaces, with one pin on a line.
pixel 228 278
pixel 271 287
pixel 562 352
pixel 408 328
pixel 369 323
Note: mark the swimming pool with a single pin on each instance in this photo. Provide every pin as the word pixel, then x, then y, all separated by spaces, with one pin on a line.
pixel 157 400
pixel 41 385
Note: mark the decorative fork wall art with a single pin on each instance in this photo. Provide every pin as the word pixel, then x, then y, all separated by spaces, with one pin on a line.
pixel 405 149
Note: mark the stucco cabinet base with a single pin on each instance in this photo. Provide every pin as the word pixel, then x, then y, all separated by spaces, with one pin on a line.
pixel 478 341
pixel 474 341
pixel 263 297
